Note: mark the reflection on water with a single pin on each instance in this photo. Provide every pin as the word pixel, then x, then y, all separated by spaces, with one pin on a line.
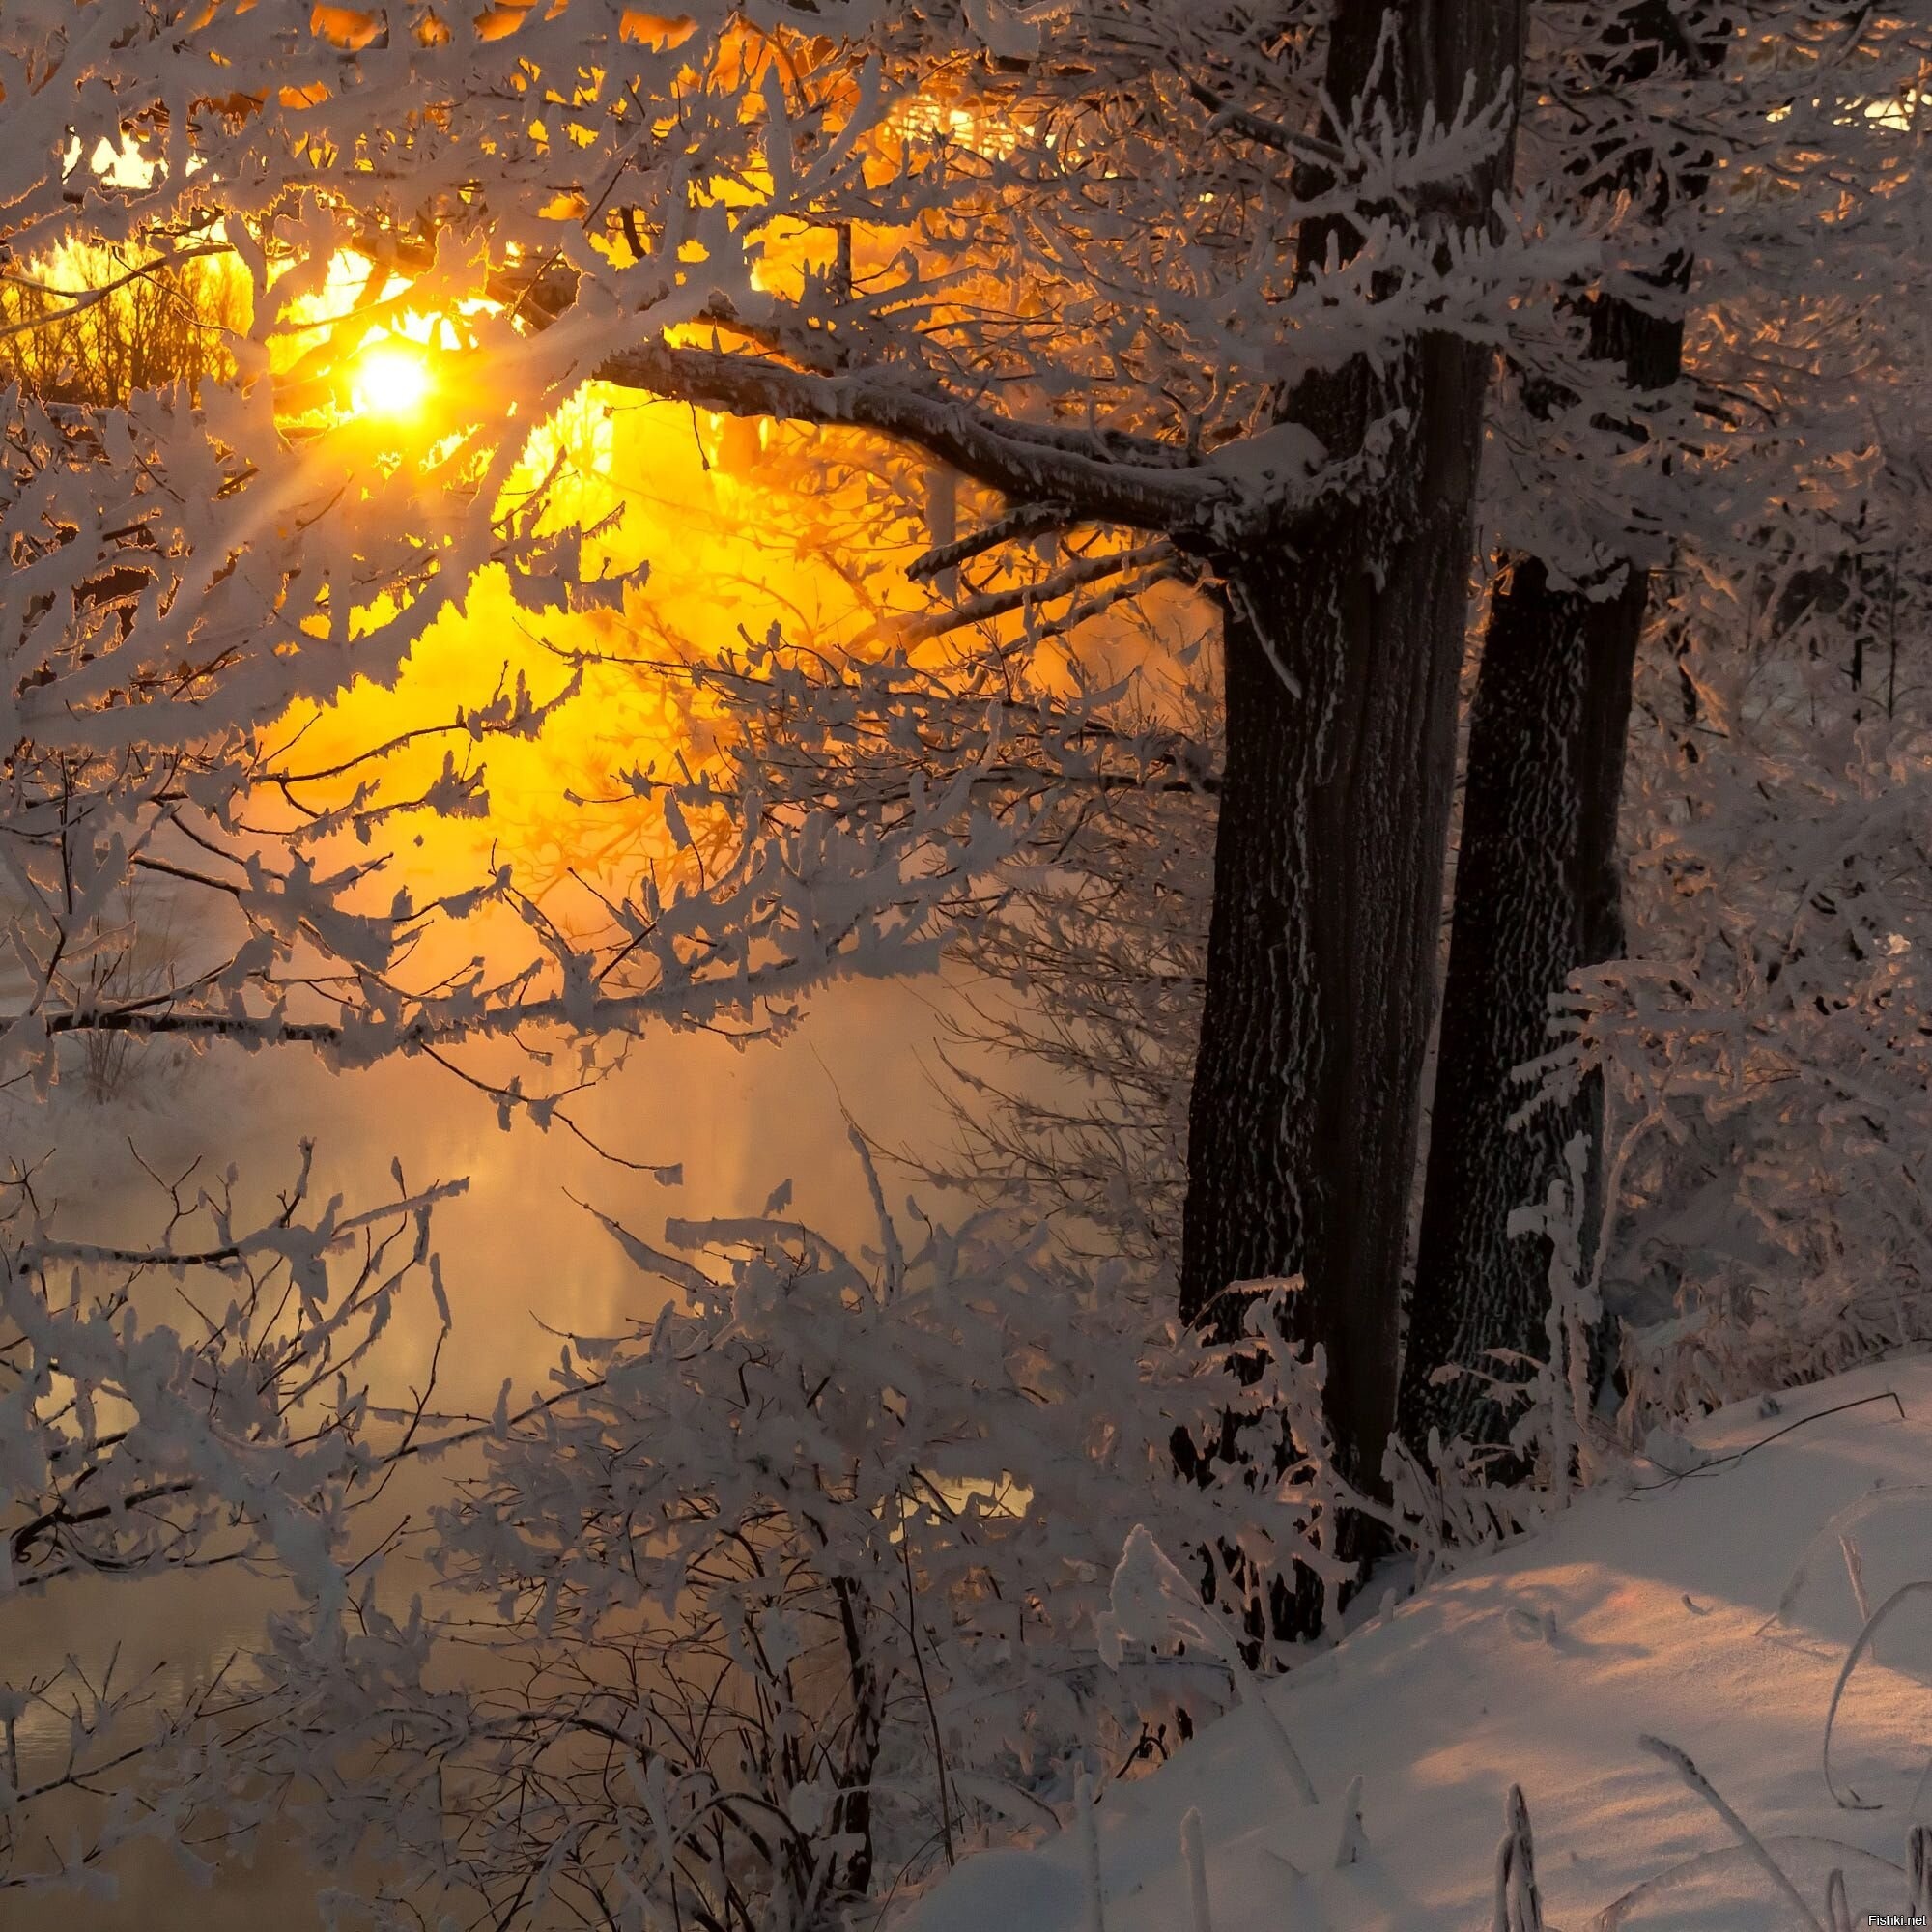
pixel 517 1253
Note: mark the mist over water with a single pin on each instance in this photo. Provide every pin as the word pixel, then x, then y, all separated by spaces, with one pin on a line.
pixel 521 1261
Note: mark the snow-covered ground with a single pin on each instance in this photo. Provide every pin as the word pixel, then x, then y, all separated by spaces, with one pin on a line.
pixel 1714 1611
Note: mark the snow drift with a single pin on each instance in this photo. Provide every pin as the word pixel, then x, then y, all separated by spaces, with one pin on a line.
pixel 1712 1606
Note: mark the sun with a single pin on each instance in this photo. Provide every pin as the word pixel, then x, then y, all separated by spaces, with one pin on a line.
pixel 391 378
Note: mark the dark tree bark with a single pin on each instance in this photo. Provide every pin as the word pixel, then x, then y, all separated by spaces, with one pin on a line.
pixel 1536 897
pixel 1538 890
pixel 1342 648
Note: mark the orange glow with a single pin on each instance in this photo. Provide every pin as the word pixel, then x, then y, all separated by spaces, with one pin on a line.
pixel 747 527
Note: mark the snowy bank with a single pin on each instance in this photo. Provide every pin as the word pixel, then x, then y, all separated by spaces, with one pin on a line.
pixel 1714 1609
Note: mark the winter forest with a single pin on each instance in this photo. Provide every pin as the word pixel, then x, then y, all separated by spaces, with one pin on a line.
pixel 966 965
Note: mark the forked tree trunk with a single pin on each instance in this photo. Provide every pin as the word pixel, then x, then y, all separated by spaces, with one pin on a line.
pixel 1342 646
pixel 1335 796
pixel 1538 891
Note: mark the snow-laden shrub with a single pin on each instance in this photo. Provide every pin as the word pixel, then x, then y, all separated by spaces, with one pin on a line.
pixel 786 1595
pixel 188 1401
pixel 1767 1048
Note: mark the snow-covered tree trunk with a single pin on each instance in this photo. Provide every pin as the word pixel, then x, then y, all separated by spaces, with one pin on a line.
pixel 1342 648
pixel 1538 892
pixel 1536 897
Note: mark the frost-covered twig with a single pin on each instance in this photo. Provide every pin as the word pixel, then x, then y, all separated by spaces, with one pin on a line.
pixel 1867 1636
pixel 1519 1904
pixel 1680 1762
pixel 1150 1602
pixel 1194 1859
